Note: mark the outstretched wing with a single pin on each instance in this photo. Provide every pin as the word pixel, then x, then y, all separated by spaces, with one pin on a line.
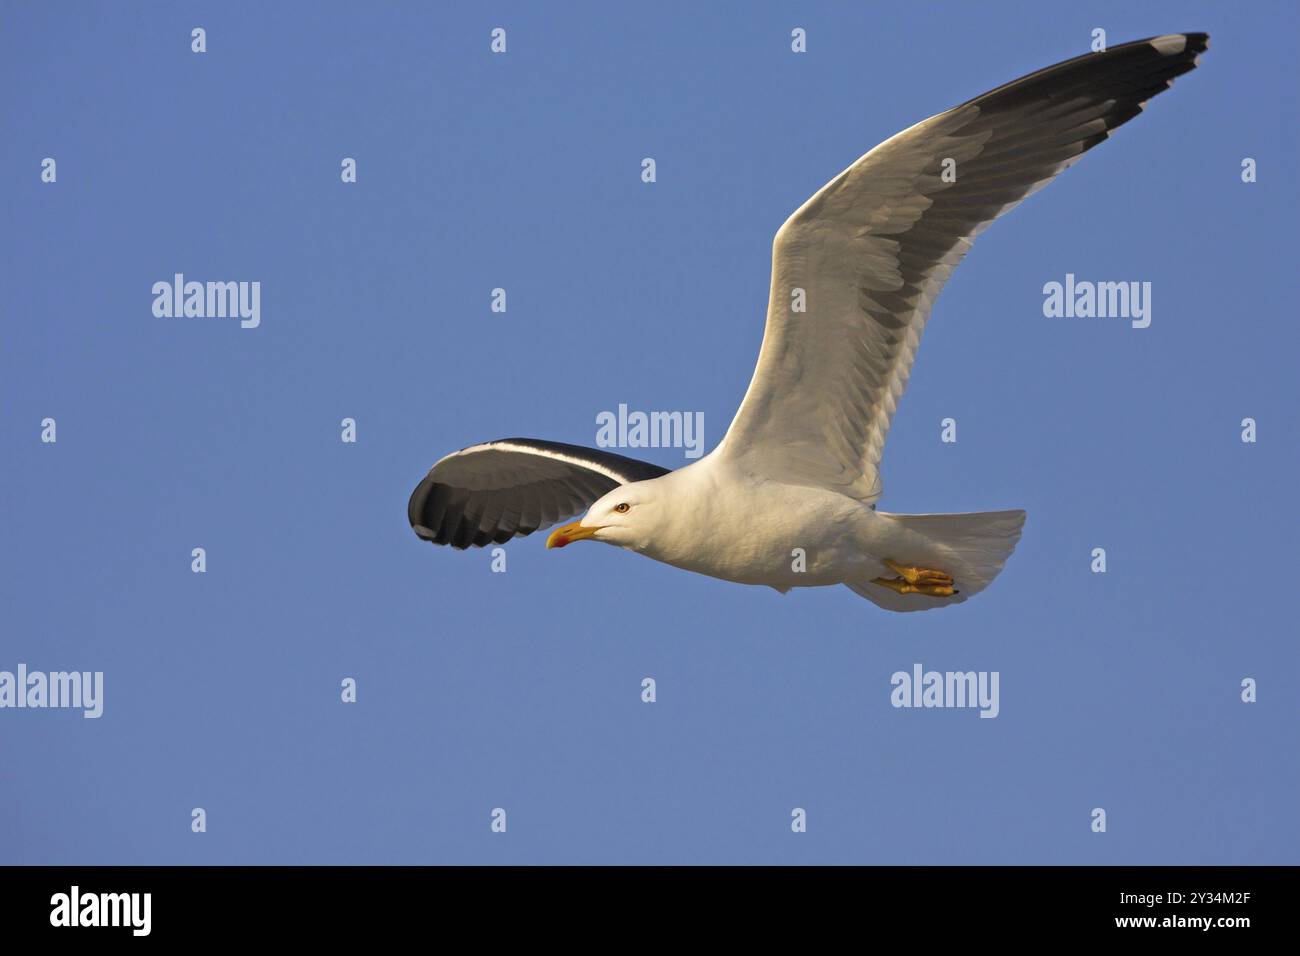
pixel 503 489
pixel 873 248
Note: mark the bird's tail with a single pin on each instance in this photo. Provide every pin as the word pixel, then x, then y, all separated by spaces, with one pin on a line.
pixel 971 547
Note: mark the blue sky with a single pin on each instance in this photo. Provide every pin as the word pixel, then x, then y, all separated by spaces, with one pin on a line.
pixel 522 690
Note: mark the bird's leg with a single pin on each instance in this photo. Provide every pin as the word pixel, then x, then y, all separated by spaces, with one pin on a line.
pixel 902 587
pixel 917 581
pixel 919 575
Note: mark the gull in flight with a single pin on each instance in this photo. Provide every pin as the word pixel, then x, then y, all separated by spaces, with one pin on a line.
pixel 788 497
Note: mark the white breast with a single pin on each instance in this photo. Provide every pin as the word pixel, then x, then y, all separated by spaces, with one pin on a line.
pixel 752 530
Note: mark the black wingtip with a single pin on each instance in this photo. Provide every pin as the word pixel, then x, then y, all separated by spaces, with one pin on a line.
pixel 415 507
pixel 420 515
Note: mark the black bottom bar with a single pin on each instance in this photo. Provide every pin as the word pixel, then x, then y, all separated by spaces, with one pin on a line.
pixel 333 904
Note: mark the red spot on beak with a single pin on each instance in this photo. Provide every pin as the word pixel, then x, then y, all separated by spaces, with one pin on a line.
pixel 569 534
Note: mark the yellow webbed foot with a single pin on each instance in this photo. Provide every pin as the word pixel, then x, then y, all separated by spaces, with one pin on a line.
pixel 917 581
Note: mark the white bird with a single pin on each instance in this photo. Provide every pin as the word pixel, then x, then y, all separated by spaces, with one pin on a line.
pixel 787 499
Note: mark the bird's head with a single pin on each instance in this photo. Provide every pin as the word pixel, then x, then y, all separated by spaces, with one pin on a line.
pixel 626 517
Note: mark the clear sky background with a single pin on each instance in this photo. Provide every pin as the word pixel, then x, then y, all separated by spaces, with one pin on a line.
pixel 522 690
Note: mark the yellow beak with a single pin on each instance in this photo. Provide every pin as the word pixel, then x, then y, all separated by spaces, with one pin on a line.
pixel 571 532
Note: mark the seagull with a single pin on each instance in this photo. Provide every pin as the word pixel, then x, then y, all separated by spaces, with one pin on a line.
pixel 788 497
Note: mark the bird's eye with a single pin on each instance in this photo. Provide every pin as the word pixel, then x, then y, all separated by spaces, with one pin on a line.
pixel 622 508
